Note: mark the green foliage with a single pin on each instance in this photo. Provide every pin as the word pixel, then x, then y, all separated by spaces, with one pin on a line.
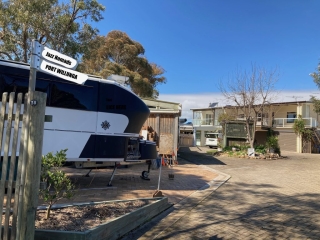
pixel 118 54
pixel 272 142
pixel 50 161
pixel 244 147
pixel 260 149
pixel 305 133
pixel 58 184
pixel 316 76
pixel 240 152
pixel 227 148
pixel 316 104
pixel 299 126
pixel 239 147
pixel 316 79
pixel 62 187
pixel 230 153
pixel 60 25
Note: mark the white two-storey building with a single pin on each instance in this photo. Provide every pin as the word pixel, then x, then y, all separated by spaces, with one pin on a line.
pixel 276 116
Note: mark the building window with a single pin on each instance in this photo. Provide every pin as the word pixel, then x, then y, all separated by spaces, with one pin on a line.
pixel 241 116
pixel 197 118
pixel 208 119
pixel 198 138
pixel 291 116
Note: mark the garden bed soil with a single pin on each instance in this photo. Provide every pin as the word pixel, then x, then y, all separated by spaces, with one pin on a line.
pixel 84 217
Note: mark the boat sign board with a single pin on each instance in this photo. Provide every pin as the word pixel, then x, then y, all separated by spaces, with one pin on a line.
pixel 62 72
pixel 58 58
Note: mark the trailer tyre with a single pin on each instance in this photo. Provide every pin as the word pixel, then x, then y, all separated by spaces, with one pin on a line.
pixel 144 174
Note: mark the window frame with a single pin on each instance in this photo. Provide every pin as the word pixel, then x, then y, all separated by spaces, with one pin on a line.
pixel 289 118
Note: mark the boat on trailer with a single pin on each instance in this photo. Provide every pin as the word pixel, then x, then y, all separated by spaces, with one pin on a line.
pixel 98 121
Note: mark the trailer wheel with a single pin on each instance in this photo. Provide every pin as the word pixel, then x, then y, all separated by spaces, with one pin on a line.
pixel 144 174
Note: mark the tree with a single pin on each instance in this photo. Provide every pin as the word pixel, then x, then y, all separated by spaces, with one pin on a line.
pixel 313 99
pixel 304 133
pixel 316 76
pixel 58 184
pixel 59 25
pixel 223 118
pixel 251 92
pixel 316 79
pixel 118 54
pixel 316 104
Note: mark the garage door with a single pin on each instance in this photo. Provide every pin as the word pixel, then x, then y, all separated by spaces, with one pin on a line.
pixel 287 141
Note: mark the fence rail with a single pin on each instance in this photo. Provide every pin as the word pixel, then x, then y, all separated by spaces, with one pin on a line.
pixel 266 122
pixel 20 172
pixel 288 122
pixel 205 122
pixel 9 132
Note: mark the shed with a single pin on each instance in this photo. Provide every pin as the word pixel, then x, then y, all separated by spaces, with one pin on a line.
pixel 162 125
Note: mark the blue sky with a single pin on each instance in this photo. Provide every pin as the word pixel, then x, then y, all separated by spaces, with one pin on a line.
pixel 199 42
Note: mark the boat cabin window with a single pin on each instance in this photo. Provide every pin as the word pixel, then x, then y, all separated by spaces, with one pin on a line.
pixel 68 95
pixel 60 93
pixel 19 84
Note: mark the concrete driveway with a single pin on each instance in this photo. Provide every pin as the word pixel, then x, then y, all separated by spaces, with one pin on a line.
pixel 263 199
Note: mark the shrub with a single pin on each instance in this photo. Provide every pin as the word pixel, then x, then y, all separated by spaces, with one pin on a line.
pixel 227 148
pixel 58 184
pixel 260 149
pixel 272 142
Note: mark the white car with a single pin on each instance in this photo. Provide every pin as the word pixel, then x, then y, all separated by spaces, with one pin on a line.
pixel 212 139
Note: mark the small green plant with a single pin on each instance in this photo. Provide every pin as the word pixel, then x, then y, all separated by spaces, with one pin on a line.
pixel 244 147
pixel 227 148
pixel 230 153
pixel 272 142
pixel 58 185
pixel 239 154
pixel 260 149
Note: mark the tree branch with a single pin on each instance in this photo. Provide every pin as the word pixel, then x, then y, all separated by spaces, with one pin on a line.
pixel 7 54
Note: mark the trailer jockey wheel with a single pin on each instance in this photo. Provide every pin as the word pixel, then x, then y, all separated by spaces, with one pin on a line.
pixel 145 175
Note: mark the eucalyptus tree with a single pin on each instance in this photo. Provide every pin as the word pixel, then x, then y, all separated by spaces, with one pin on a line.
pixel 60 25
pixel 118 54
pixel 316 80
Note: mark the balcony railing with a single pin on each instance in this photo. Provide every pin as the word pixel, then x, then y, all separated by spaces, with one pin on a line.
pixel 276 122
pixel 288 122
pixel 205 122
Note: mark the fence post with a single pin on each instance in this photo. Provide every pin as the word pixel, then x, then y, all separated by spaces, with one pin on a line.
pixel 36 112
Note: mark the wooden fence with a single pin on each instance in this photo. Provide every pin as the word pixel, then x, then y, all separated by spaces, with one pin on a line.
pixel 186 140
pixel 21 131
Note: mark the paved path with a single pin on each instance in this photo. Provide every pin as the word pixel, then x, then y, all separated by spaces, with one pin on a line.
pixel 127 183
pixel 263 199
